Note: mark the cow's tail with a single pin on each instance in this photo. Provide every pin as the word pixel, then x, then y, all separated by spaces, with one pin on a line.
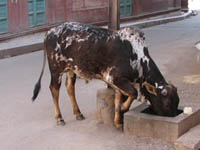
pixel 38 84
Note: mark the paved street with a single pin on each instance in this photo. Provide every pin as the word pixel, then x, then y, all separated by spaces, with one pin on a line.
pixel 26 125
pixel 173 47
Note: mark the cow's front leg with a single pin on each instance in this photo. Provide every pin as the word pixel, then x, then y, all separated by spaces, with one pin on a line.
pixel 55 87
pixel 118 102
pixel 124 86
pixel 70 85
pixel 126 105
pixel 121 108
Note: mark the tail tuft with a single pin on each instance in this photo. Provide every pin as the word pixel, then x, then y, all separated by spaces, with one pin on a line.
pixel 36 90
pixel 38 84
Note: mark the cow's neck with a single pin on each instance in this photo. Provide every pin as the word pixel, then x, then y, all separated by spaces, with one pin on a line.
pixel 147 69
pixel 152 75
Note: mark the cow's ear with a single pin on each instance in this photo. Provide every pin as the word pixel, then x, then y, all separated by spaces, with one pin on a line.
pixel 150 88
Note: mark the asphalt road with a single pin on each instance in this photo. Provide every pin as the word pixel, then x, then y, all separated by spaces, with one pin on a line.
pixel 26 125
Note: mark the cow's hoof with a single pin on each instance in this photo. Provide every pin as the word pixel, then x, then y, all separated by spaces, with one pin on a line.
pixel 60 122
pixel 80 117
pixel 119 127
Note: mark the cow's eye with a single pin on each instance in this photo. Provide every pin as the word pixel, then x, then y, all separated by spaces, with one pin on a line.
pixel 164 92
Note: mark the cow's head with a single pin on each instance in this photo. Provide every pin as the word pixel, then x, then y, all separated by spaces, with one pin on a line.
pixel 162 96
pixel 164 99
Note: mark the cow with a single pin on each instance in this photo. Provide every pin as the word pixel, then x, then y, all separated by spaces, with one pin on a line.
pixel 119 58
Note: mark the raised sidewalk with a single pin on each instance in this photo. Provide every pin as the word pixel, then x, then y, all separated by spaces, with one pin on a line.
pixel 34 42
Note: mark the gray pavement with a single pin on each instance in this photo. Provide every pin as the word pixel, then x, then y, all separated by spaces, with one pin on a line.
pixel 26 125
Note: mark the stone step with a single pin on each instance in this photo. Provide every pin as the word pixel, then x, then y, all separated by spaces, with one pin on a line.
pixel 190 140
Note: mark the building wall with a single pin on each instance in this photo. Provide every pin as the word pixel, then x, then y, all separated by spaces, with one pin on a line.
pixel 55 11
pixel 85 11
pixel 18 16
pixel 144 7
pixel 184 4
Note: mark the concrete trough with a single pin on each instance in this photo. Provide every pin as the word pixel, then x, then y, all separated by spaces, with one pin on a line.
pixel 138 123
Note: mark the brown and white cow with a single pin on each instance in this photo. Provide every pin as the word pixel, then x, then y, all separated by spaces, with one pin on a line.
pixel 120 59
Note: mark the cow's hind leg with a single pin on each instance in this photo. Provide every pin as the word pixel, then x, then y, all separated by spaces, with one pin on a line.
pixel 55 87
pixel 70 85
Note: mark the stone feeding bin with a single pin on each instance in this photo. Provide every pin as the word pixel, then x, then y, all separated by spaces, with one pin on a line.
pixel 139 123
pixel 105 106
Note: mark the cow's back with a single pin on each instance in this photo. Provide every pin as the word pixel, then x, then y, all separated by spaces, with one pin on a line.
pixel 91 49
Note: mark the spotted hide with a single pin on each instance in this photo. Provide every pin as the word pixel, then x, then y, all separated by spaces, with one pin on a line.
pixel 120 59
